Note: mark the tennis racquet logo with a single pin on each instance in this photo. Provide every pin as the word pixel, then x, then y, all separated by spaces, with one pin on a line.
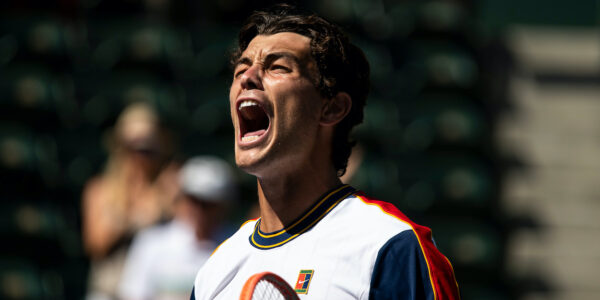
pixel 303 281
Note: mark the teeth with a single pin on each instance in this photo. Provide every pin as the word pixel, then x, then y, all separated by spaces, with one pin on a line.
pixel 247 103
pixel 249 138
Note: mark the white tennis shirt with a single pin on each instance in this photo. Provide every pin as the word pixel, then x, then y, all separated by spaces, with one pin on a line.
pixel 346 246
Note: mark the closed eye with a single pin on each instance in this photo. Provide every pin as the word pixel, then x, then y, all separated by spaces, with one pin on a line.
pixel 279 67
pixel 239 72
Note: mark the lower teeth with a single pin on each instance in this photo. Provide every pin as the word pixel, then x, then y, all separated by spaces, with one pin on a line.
pixel 249 138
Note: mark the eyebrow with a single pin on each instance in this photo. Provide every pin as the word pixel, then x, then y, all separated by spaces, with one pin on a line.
pixel 269 58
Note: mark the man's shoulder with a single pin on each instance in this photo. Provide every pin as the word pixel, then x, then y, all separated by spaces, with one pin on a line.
pixel 372 212
pixel 239 238
pixel 224 262
pixel 375 220
pixel 246 228
pixel 364 223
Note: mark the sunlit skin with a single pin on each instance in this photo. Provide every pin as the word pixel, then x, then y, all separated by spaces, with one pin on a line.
pixel 292 158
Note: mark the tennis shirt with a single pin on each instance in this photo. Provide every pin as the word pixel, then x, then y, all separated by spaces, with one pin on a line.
pixel 346 246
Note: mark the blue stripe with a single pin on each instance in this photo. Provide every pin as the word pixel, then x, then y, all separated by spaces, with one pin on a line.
pixel 400 270
pixel 192 296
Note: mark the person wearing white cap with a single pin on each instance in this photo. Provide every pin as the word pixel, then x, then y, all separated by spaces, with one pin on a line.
pixel 164 259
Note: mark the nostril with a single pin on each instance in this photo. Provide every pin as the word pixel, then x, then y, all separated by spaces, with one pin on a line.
pixel 251 79
pixel 249 84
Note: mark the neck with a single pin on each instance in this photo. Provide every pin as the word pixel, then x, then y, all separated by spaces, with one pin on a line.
pixel 283 199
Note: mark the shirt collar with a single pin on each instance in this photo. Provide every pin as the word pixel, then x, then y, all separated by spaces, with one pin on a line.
pixel 303 223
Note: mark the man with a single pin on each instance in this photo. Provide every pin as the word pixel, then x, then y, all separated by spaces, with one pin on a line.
pixel 163 260
pixel 299 86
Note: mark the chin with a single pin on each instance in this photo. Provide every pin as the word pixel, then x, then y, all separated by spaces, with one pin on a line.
pixel 260 166
pixel 248 163
pixel 253 169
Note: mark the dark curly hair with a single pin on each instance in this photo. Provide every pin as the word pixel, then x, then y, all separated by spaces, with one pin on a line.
pixel 342 66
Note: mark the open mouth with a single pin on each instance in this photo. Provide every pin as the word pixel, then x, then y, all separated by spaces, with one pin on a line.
pixel 254 121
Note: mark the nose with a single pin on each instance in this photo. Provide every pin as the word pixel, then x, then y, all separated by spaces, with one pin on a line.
pixel 252 79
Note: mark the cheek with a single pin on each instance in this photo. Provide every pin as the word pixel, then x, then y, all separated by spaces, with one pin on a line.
pixel 233 90
pixel 301 90
pixel 232 96
pixel 232 106
pixel 309 103
pixel 297 102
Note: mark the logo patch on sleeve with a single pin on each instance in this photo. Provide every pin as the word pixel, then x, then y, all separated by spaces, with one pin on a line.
pixel 303 281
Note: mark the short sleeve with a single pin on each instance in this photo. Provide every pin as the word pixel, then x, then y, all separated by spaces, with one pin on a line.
pixel 400 270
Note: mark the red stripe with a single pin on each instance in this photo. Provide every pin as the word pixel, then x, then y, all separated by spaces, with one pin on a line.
pixel 440 271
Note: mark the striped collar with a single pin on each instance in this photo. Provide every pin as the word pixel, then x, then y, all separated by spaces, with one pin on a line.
pixel 306 221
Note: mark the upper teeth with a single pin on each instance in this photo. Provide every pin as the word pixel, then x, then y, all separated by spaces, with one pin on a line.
pixel 247 103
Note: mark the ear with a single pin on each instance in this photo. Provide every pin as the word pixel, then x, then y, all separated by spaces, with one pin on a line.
pixel 335 109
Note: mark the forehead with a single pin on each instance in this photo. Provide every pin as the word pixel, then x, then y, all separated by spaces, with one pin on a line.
pixel 262 45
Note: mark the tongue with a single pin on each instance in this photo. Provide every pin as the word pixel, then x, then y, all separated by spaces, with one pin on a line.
pixel 255 133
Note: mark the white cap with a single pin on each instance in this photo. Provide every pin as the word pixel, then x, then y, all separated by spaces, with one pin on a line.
pixel 208 178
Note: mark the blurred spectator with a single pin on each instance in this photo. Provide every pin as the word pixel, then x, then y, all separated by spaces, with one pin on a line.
pixel 163 260
pixel 136 189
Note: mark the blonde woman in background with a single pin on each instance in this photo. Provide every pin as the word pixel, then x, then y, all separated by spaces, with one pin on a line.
pixel 136 189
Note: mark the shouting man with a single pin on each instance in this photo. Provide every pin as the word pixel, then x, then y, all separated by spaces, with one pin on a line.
pixel 299 87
